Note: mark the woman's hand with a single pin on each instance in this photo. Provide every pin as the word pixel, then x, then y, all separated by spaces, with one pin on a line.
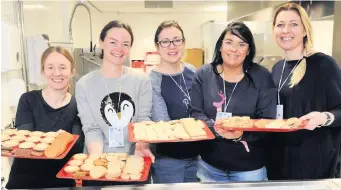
pixel 142 149
pixel 314 120
pixel 95 148
pixel 228 134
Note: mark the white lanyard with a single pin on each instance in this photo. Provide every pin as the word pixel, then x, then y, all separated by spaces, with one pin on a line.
pixel 119 97
pixel 179 86
pixel 280 86
pixel 234 88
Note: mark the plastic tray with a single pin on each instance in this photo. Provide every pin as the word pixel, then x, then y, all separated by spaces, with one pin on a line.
pixel 209 136
pixel 145 172
pixel 68 148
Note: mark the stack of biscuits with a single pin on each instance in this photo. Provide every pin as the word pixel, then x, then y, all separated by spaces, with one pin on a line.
pixel 246 122
pixel 109 166
pixel 36 143
pixel 183 129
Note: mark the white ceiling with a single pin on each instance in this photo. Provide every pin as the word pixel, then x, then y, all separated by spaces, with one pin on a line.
pixel 181 6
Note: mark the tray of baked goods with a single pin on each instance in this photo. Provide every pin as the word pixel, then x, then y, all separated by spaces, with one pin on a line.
pixel 106 167
pixel 183 130
pixel 36 144
pixel 244 123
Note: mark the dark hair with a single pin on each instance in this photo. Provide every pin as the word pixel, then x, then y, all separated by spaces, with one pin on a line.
pixel 237 28
pixel 115 24
pixel 167 24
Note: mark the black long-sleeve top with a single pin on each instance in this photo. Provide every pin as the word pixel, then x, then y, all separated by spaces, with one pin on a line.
pixel 309 154
pixel 34 114
pixel 254 96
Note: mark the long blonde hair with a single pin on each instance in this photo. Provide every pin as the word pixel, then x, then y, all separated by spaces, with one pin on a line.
pixel 300 70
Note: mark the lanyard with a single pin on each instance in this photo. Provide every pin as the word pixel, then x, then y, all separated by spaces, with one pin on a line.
pixel 179 86
pixel 280 86
pixel 234 88
pixel 109 100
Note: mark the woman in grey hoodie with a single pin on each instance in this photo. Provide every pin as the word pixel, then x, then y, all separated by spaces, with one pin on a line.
pixel 112 96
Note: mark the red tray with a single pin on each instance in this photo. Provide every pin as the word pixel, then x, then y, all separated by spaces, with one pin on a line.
pixel 256 129
pixel 69 146
pixel 145 172
pixel 131 136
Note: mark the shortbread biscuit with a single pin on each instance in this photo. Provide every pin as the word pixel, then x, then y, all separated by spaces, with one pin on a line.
pixel 51 134
pixel 75 162
pixel 10 131
pixel 10 144
pixel 97 172
pixel 40 147
pixel 80 156
pixel 33 139
pixel 87 167
pixel 19 137
pixel 71 169
pixel 48 140
pixel 26 145
pixel 23 132
pixel 36 133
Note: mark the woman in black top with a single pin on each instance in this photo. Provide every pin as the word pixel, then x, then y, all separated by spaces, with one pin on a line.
pixel 49 109
pixel 235 85
pixel 309 86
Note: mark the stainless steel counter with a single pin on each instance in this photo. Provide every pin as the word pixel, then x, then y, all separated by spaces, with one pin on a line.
pixel 283 185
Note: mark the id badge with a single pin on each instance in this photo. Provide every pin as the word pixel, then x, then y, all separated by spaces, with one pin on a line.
pixel 116 138
pixel 279 112
pixel 223 115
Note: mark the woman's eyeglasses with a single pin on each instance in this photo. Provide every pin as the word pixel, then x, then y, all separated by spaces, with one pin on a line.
pixel 167 43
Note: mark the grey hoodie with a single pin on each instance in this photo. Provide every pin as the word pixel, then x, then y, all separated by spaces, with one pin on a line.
pixel 97 116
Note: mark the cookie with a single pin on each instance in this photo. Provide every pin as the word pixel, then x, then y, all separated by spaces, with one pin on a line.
pixel 33 139
pixel 48 140
pixel 80 156
pixel 97 172
pixel 71 169
pixel 36 133
pixel 75 163
pixel 51 134
pixel 26 145
pixel 10 144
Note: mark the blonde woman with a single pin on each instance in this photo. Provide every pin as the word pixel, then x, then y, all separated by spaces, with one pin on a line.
pixel 309 87
pixel 49 109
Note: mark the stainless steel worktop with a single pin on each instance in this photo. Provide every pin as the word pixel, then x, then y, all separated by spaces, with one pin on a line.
pixel 332 184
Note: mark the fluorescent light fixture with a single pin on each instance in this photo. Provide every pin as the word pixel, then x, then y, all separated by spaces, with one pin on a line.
pixel 34 6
